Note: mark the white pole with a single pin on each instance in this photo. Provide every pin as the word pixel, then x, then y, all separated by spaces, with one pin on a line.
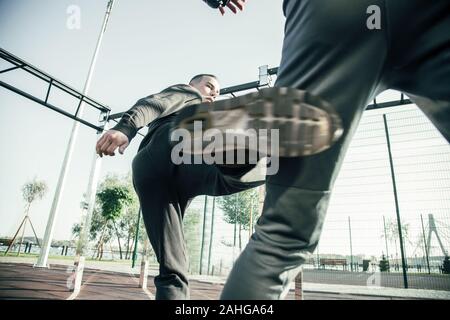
pixel 43 257
pixel 90 201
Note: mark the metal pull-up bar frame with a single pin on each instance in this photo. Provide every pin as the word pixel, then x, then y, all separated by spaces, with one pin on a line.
pixel 19 64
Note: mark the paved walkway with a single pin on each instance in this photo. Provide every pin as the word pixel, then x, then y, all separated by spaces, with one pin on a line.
pixel 103 280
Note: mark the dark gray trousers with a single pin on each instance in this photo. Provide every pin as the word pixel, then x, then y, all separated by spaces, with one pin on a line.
pixel 165 191
pixel 329 51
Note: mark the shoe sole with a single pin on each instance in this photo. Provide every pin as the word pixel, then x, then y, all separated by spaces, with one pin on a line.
pixel 307 124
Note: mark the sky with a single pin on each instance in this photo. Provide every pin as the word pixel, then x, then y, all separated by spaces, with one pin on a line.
pixel 148 46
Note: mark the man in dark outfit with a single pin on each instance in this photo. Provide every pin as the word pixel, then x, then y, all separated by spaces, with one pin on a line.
pixel 165 189
pixel 345 52
pixel 331 51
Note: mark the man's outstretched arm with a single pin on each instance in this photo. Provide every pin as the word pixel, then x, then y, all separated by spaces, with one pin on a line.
pixel 141 114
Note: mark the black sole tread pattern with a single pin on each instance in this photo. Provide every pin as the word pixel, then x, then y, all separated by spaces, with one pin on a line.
pixel 307 125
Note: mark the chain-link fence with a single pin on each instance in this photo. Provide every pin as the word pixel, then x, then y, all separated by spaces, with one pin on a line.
pixel 360 243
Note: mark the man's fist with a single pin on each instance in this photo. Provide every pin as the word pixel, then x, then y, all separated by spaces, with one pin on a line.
pixel 110 141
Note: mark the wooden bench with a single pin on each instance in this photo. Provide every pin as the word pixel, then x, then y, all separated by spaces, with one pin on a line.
pixel 333 262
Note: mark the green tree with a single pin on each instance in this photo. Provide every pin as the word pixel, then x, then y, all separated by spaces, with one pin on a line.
pixel 237 208
pixel 127 222
pixel 112 201
pixel 100 230
pixel 392 232
pixel 76 230
pixel 127 226
pixel 123 226
pixel 32 191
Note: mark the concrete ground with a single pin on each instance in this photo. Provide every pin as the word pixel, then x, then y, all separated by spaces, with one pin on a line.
pixel 103 280
pixel 23 281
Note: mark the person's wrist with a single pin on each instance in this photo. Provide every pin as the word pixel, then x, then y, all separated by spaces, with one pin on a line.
pixel 127 130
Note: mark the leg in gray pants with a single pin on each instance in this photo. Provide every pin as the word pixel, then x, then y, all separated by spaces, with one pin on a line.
pixel 329 51
pixel 165 191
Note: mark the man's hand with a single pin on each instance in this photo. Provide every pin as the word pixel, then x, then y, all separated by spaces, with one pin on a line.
pixel 234 6
pixel 110 141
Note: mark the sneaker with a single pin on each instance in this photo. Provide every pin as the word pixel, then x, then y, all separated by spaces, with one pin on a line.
pixel 306 124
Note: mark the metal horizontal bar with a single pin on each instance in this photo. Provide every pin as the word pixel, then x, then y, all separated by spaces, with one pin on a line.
pixel 10 69
pixel 48 105
pixel 116 116
pixel 272 71
pixel 58 84
pixel 241 87
pixel 388 104
pixel 47 78
pixel 63 87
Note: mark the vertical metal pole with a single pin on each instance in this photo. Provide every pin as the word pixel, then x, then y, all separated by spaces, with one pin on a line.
pixel 144 274
pixel 351 245
pixel 203 234
pixel 425 245
pixel 397 209
pixel 385 238
pixel 264 76
pixel 318 258
pixel 90 198
pixel 250 226
pixel 79 269
pixel 144 266
pixel 234 231
pixel 211 234
pixel 43 257
pixel 299 286
pixel 136 238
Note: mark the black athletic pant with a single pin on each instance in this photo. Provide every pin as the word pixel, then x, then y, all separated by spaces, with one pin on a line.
pixel 165 191
pixel 329 51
